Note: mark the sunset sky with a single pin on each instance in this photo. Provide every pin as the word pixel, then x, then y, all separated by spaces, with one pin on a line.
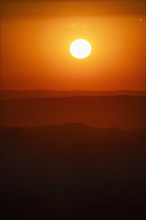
pixel 36 36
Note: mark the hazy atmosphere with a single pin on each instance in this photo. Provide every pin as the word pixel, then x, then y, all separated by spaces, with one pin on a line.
pixel 72 110
pixel 36 36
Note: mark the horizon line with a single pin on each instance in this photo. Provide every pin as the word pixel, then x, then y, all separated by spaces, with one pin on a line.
pixel 75 90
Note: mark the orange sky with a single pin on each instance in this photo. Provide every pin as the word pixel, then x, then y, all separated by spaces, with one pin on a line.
pixel 35 39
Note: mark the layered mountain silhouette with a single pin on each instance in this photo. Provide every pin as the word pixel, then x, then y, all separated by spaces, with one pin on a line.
pixel 72 171
pixel 121 111
pixel 77 155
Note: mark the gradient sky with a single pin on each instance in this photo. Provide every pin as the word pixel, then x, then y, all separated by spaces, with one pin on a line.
pixel 36 35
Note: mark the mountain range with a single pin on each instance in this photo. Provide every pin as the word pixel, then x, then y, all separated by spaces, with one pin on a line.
pixel 72 171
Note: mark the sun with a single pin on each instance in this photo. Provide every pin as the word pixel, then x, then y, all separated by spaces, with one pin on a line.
pixel 80 48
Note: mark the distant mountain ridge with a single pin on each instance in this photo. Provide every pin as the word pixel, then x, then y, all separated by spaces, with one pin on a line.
pixel 122 112
pixel 14 94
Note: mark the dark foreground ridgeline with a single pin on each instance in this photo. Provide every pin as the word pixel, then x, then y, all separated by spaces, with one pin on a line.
pixel 72 172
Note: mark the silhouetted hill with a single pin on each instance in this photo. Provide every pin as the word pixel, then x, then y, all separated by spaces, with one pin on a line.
pixel 123 112
pixel 72 171
pixel 18 94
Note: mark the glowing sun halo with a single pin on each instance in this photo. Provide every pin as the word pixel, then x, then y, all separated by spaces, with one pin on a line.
pixel 80 48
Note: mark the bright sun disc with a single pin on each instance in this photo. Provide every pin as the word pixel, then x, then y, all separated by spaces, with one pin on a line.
pixel 80 48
